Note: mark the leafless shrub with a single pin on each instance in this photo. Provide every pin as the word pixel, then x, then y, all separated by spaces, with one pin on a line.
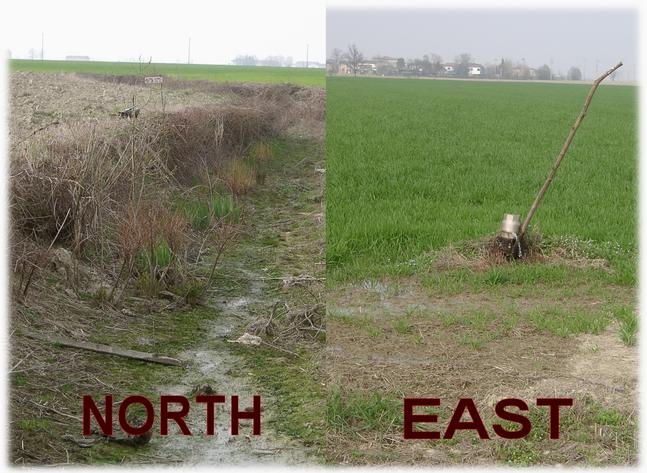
pixel 90 189
pixel 144 226
pixel 62 186
pixel 87 173
pixel 28 262
pixel 197 137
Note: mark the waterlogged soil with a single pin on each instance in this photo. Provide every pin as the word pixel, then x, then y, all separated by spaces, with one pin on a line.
pixel 281 237
pixel 212 362
pixel 283 226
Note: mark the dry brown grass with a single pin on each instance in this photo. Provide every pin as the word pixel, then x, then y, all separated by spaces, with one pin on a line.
pixel 239 176
pixel 262 152
pixel 108 196
pixel 488 252
pixel 196 138
pixel 143 226
pixel 90 187
pixel 82 173
pixel 477 255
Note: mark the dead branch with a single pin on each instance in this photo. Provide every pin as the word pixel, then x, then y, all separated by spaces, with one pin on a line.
pixel 107 349
pixel 562 153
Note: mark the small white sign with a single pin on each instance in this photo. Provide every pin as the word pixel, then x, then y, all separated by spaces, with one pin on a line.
pixel 153 80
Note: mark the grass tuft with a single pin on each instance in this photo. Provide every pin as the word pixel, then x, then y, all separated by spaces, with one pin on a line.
pixel 628 321
pixel 239 176
pixel 358 412
pixel 564 322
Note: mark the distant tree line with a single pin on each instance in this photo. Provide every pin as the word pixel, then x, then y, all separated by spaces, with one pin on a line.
pixel 352 61
pixel 250 60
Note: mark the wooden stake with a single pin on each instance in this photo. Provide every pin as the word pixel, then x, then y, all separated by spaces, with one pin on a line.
pixel 562 153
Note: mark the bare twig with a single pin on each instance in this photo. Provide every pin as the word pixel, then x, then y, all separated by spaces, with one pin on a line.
pixel 562 153
pixel 59 229
pixel 51 409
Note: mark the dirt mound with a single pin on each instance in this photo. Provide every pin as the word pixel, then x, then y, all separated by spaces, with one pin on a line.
pixel 493 251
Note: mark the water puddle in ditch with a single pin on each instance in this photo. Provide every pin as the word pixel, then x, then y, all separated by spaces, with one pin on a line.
pixel 213 363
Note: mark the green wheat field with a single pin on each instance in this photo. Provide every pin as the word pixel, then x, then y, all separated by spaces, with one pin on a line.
pixel 417 165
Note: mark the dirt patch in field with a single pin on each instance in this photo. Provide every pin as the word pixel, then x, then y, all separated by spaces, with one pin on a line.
pixel 398 339
pixel 600 367
pixel 437 361
pixel 439 365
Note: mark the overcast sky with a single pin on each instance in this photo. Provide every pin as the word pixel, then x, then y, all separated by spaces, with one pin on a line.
pixel 124 30
pixel 593 40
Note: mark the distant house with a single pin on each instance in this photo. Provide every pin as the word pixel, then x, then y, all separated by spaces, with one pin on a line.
pixel 475 70
pixel 77 58
pixel 414 68
pixel 345 69
pixel 449 69
pixel 523 72
pixel 366 68
pixel 385 61
pixel 385 65
pixel 309 64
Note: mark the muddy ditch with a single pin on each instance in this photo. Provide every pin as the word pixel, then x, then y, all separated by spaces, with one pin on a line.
pixel 88 193
pixel 214 361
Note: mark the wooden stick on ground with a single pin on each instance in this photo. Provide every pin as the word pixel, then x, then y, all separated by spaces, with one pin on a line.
pixel 562 153
pixel 99 348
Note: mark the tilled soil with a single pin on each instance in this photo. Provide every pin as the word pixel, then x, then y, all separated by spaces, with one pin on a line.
pixel 40 101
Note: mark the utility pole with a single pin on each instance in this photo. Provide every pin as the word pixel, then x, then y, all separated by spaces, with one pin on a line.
pixel 307 52
pixel 188 56
pixel 42 46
